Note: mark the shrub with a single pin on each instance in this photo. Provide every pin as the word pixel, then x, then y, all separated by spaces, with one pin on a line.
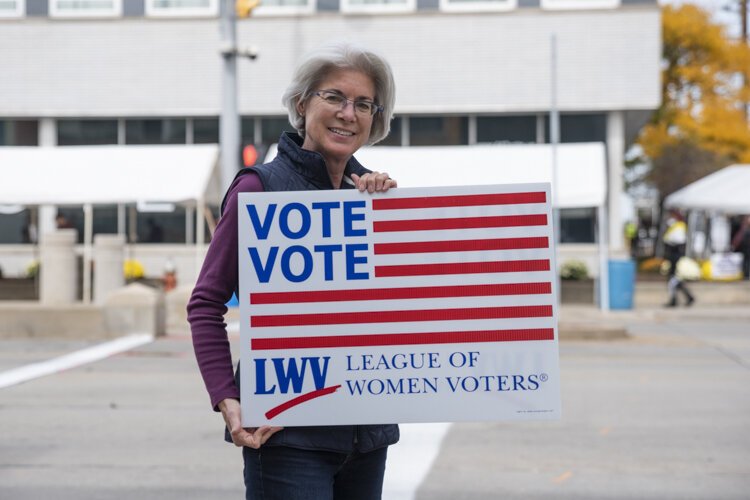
pixel 574 270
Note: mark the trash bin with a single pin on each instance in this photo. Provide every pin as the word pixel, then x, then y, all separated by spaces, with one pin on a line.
pixel 621 284
pixel 233 302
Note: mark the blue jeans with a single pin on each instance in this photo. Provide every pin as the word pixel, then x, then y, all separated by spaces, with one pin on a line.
pixel 283 473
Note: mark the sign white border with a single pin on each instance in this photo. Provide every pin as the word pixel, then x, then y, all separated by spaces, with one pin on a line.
pixel 290 375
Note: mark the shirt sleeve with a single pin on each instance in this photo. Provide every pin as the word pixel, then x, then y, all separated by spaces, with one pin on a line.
pixel 206 308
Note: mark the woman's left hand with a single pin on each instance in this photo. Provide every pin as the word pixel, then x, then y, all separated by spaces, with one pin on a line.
pixel 374 182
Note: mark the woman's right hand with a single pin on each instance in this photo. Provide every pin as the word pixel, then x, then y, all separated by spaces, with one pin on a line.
pixel 253 437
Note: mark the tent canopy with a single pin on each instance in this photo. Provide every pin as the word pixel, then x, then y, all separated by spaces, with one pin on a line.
pixel 726 190
pixel 79 175
pixel 581 179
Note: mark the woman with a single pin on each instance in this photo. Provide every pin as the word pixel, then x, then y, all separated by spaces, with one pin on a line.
pixel 340 98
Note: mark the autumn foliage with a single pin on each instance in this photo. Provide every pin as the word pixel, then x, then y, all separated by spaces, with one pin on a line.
pixel 701 125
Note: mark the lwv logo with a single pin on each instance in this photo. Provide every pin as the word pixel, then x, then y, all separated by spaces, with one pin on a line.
pixel 290 372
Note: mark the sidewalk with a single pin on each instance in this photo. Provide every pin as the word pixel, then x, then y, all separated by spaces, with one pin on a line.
pixel 583 322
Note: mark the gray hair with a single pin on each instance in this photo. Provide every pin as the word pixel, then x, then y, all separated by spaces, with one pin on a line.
pixel 317 64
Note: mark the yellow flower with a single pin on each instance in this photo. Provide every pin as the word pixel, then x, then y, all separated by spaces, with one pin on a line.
pixel 132 269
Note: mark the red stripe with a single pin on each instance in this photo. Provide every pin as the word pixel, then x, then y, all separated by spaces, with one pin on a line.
pixel 471 200
pixel 299 400
pixel 460 245
pixel 459 223
pixel 521 335
pixel 503 266
pixel 427 292
pixel 349 318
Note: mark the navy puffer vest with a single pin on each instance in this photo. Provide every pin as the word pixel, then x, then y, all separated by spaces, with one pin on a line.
pixel 296 169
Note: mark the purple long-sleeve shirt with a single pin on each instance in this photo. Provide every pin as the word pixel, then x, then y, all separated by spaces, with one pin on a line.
pixel 216 283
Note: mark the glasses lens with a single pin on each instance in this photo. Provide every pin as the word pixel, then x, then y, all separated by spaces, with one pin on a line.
pixel 332 98
pixel 335 99
pixel 363 107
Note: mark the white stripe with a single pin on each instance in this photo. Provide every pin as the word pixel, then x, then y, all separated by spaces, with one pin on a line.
pixel 479 233
pixel 68 361
pixel 410 460
pixel 458 212
pixel 406 327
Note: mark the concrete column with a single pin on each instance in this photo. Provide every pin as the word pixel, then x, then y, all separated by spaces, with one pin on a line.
pixel 47 138
pixel 109 251
pixel 615 161
pixel 57 267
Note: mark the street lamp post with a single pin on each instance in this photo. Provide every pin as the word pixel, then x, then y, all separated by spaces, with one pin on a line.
pixel 229 123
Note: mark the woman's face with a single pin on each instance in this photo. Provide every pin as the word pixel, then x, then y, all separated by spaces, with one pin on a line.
pixel 334 132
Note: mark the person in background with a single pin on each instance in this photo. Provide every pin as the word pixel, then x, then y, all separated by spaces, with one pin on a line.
pixel 341 97
pixel 741 244
pixel 675 242
pixel 62 222
pixel 155 231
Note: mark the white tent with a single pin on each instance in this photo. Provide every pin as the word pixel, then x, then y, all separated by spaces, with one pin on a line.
pixel 91 175
pixel 80 175
pixel 726 191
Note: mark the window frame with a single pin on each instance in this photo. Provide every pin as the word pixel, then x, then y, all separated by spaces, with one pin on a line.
pixel 54 11
pixel 286 10
pixel 381 8
pixel 478 6
pixel 579 4
pixel 153 11
pixel 19 12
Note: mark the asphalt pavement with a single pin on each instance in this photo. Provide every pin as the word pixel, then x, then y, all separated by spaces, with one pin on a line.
pixel 662 413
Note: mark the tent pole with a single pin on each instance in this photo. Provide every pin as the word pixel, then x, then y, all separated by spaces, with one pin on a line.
pixel 121 219
pixel 88 231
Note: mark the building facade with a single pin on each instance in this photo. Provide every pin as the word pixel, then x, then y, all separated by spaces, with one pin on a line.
pixel 467 72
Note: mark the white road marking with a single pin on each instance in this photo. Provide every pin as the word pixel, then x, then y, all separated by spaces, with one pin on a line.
pixel 411 459
pixel 77 358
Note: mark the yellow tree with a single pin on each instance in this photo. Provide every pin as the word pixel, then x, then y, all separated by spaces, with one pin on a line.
pixel 701 124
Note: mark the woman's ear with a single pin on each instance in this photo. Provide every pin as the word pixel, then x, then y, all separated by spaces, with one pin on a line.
pixel 301 108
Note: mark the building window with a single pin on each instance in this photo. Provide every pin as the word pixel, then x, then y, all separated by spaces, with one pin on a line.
pixel 477 5
pixel 155 131
pixel 162 227
pixel 577 225
pixel 581 128
pixel 205 130
pixel 85 8
pixel 19 133
pixel 284 7
pixel 248 130
pixel 438 131
pixel 182 8
pixel 506 129
pixel 86 132
pixel 378 6
pixel 394 136
pixel 579 4
pixel 16 226
pixel 12 8
pixel 272 129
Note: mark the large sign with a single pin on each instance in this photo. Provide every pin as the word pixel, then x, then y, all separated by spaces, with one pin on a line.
pixel 417 305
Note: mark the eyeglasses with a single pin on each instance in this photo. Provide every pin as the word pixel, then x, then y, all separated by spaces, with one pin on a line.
pixel 361 106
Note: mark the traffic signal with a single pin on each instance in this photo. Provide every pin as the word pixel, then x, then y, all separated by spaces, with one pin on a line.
pixel 252 154
pixel 244 8
pixel 249 155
